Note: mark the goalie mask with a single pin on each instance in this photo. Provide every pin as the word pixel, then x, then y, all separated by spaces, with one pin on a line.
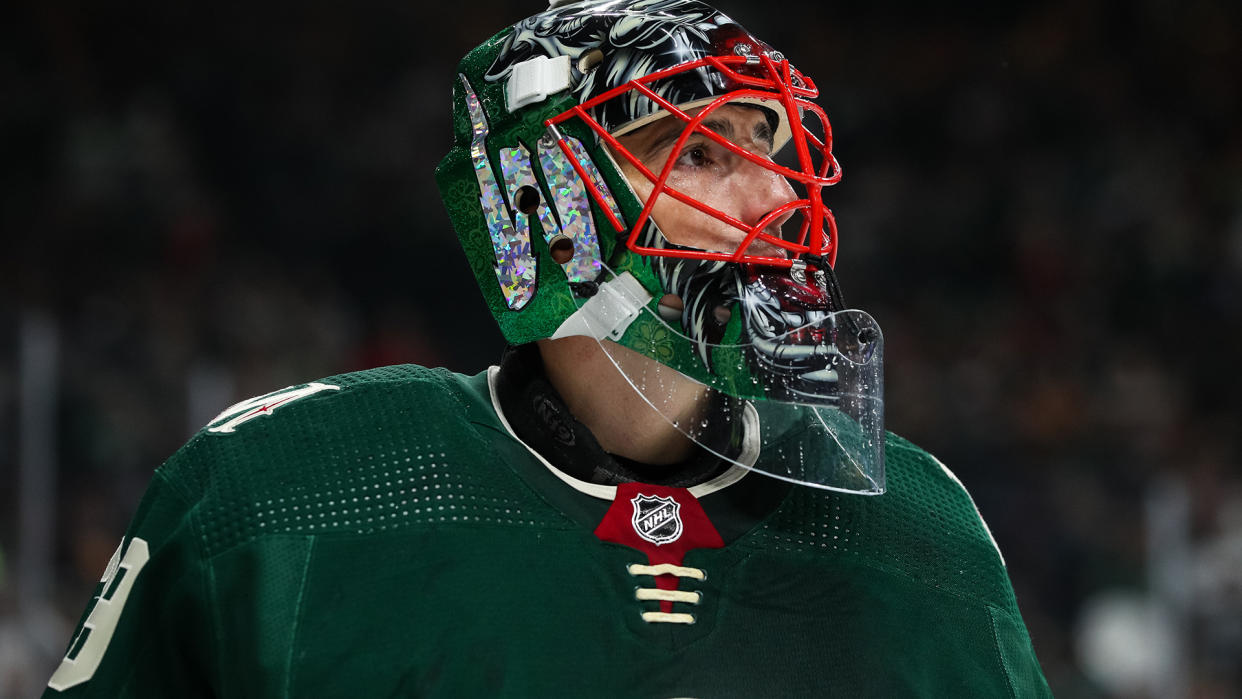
pixel 579 132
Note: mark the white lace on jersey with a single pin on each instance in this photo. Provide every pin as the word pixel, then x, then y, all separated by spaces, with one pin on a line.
pixel 653 593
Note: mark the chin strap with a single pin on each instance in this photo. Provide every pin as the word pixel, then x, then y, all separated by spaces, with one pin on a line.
pixel 607 314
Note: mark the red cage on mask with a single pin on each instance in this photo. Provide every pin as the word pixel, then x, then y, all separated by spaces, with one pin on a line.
pixel 757 77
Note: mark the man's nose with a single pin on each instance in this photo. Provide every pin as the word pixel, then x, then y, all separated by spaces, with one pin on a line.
pixel 766 192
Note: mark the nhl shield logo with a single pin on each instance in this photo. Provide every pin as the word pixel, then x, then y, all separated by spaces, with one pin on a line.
pixel 656 519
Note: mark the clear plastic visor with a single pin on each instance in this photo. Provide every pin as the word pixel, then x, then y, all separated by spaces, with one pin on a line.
pixel 813 379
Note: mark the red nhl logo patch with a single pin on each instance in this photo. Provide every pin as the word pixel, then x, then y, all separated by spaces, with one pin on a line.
pixel 656 519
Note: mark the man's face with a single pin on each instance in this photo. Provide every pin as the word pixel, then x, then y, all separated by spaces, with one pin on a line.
pixel 708 172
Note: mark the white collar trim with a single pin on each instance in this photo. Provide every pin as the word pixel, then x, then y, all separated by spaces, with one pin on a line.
pixel 735 473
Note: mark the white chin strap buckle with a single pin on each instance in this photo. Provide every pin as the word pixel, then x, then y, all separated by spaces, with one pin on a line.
pixel 607 314
pixel 533 80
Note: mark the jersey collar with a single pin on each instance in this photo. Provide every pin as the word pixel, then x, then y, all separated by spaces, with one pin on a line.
pixel 749 452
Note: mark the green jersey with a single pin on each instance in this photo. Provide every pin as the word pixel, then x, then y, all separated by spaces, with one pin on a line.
pixel 385 534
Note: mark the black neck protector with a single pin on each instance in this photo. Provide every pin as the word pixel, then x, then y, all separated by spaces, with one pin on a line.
pixel 541 419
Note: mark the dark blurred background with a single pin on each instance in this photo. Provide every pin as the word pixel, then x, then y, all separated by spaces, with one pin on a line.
pixel 1042 207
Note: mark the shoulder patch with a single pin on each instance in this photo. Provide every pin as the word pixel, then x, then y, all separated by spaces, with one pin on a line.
pixel 228 420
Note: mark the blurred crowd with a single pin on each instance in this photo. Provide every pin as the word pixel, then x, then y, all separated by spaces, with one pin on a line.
pixel 1042 206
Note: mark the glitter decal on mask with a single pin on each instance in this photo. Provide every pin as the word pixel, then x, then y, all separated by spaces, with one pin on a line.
pixel 593 172
pixel 515 263
pixel 569 195
pixel 515 165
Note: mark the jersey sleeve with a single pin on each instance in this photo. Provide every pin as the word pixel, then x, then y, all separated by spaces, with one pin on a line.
pixel 1017 656
pixel 146 630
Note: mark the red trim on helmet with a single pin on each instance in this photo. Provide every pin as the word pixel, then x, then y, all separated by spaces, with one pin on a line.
pixel 783 84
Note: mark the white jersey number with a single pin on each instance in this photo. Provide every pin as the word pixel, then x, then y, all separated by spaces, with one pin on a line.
pixel 87 649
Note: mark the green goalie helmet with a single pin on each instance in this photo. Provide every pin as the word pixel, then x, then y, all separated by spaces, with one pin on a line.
pixel 560 215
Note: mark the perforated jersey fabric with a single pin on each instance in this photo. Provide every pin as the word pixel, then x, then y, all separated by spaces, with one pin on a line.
pixel 389 538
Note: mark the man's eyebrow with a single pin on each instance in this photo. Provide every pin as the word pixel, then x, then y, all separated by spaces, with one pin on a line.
pixel 660 142
pixel 763 132
pixel 720 126
pixel 723 127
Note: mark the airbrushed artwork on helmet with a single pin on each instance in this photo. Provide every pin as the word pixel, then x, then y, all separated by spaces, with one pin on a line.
pixel 799 337
pixel 636 39
pixel 788 325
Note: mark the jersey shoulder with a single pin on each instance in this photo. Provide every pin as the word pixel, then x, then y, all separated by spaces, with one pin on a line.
pixel 292 429
pixel 344 408
pixel 925 526
pixel 356 453
pixel 286 409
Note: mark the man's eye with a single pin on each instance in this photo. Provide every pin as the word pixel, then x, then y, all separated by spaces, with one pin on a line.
pixel 695 156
